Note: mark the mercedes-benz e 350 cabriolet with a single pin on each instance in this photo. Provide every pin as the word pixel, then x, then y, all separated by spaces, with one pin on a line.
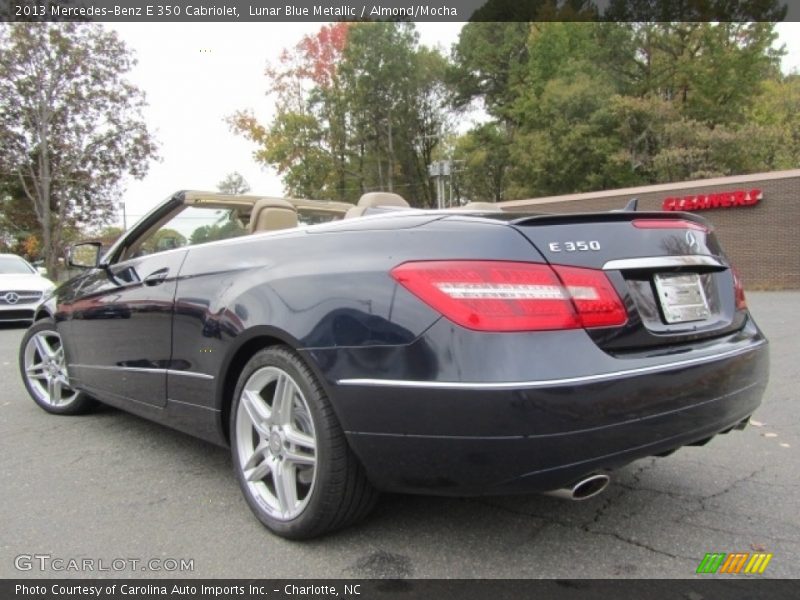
pixel 458 352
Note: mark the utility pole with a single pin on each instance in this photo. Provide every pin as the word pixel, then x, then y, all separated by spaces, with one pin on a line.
pixel 124 216
pixel 439 172
pixel 391 154
pixel 454 170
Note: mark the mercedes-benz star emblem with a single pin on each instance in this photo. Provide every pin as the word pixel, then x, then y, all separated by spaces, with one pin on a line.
pixel 12 297
pixel 691 240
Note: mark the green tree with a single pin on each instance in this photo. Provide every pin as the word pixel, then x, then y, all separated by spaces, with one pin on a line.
pixel 163 239
pixel 17 219
pixel 596 105
pixel 108 234
pixel 216 231
pixel 306 141
pixel 234 184
pixel 491 57
pixel 691 151
pixel 777 109
pixel 721 11
pixel 640 125
pixel 484 162
pixel 489 62
pixel 228 225
pixel 711 71
pixel 70 123
pixel 395 91
pixel 564 146
pixel 360 107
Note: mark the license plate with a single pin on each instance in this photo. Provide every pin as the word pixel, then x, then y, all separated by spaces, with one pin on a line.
pixel 682 297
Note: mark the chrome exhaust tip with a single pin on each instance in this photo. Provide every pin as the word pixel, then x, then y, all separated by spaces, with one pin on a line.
pixel 583 489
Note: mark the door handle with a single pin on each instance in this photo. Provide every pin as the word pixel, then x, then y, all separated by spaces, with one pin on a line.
pixel 156 277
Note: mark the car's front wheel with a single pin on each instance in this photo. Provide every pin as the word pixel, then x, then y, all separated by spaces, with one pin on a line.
pixel 44 371
pixel 291 458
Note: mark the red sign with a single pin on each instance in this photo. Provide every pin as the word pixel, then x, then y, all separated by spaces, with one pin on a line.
pixel 733 199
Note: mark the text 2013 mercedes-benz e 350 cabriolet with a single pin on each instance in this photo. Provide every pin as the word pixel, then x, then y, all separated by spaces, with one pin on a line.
pixel 459 352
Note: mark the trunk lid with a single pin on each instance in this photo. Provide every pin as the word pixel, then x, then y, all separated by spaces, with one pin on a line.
pixel 668 269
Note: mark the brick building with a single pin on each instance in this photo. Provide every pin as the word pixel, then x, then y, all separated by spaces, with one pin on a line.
pixel 756 217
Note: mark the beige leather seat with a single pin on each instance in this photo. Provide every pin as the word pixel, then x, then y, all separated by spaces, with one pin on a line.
pixel 373 199
pixel 271 214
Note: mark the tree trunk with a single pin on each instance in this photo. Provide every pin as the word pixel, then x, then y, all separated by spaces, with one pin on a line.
pixel 47 243
pixel 50 234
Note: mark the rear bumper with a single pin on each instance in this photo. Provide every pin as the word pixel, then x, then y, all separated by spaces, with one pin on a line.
pixel 461 438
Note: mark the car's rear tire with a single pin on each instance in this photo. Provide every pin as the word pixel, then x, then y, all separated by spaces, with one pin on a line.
pixel 289 452
pixel 44 371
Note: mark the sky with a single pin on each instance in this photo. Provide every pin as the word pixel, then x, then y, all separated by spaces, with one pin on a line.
pixel 194 75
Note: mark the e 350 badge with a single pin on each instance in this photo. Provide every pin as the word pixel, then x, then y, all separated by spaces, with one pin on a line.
pixel 576 246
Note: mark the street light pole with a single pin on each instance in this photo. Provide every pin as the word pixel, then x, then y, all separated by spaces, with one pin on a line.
pixel 439 171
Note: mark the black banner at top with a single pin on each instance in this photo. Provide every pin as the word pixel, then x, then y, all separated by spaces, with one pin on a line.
pixel 397 10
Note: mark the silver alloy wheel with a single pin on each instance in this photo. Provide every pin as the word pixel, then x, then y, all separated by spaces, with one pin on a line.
pixel 46 369
pixel 276 443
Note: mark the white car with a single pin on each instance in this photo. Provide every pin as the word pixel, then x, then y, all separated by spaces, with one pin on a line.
pixel 22 288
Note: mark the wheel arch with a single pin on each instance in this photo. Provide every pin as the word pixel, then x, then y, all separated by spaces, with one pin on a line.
pixel 246 345
pixel 41 313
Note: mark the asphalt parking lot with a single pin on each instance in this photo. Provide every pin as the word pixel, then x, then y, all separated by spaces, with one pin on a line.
pixel 110 485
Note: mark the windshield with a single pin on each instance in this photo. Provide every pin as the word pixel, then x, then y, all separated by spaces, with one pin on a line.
pixel 14 265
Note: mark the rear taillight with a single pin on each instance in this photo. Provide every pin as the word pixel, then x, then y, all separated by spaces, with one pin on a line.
pixel 738 290
pixel 514 296
pixel 595 299
pixel 668 224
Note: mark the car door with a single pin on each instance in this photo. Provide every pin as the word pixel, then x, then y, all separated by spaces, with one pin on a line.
pixel 121 327
pixel 119 323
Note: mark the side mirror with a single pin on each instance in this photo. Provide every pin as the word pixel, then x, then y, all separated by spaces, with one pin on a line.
pixel 42 271
pixel 84 255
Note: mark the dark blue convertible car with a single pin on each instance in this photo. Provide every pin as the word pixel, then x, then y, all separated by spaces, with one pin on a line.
pixel 458 352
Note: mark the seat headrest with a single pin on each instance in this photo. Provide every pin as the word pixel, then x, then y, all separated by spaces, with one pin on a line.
pixel 374 199
pixel 381 199
pixel 485 206
pixel 271 214
pixel 355 211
